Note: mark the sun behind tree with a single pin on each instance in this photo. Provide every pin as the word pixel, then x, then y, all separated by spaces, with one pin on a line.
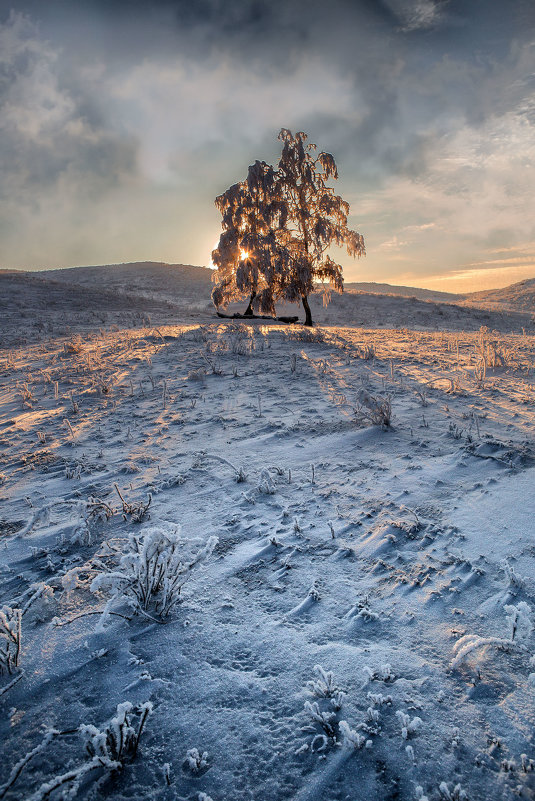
pixel 277 229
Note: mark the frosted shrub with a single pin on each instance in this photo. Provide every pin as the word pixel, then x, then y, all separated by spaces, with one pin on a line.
pixel 266 485
pixel 10 635
pixel 323 719
pixel 152 572
pixel 408 726
pixel 107 750
pixel 350 738
pixel 519 621
pixel 385 673
pixel 196 761
pixel 120 739
pixel 378 699
pixel 10 626
pixel 374 410
pixel 457 794
pixel 323 686
pixel 419 793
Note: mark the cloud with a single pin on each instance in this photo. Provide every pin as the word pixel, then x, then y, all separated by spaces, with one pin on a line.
pixel 177 108
pixel 472 280
pixel 120 122
pixel 417 15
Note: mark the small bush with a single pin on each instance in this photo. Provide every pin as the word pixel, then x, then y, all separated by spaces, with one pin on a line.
pixel 152 572
pixel 375 410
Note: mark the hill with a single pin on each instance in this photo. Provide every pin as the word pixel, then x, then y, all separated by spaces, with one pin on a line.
pixel 183 283
pixel 518 297
pixel 47 302
pixel 371 287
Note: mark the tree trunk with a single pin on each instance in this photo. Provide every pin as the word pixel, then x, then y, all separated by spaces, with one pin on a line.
pixel 308 313
pixel 249 310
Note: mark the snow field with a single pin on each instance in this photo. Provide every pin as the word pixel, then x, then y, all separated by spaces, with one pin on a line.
pixel 326 648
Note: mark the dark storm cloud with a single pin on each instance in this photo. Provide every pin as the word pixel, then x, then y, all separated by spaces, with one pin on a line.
pixel 128 117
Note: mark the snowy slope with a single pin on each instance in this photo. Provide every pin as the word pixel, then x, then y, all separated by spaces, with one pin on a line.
pixel 404 291
pixel 179 283
pixel 520 297
pixel 180 293
pixel 371 553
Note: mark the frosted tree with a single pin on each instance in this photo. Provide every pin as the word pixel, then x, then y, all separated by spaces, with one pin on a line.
pixel 250 258
pixel 278 227
pixel 315 219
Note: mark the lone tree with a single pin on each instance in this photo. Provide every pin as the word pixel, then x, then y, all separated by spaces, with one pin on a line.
pixel 277 229
pixel 250 255
pixel 316 218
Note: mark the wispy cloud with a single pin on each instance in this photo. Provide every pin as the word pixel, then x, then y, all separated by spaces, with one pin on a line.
pixel 416 15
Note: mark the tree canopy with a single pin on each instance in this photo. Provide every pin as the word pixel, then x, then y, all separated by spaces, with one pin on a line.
pixel 278 226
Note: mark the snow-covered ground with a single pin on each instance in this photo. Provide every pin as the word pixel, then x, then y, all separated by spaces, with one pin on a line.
pixel 400 559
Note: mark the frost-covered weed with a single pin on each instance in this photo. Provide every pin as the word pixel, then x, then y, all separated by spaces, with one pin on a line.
pixel 374 410
pixel 11 626
pixel 212 363
pixel 314 592
pixel 152 572
pixel 366 613
pixel 73 346
pixel 26 395
pixel 350 738
pixel 324 719
pixel 240 476
pixel 324 686
pixel 378 699
pixel 519 621
pixel 367 352
pixel 10 639
pixel 135 512
pixel 196 761
pixel 197 375
pixel 519 629
pixel 408 726
pixel 385 673
pixel 107 750
pixel 306 334
pixel 119 740
pixel 419 793
pixel 526 764
pixel 455 737
pixel 293 362
pixel 237 340
pixel 457 794
pixel 266 485
pixel 512 577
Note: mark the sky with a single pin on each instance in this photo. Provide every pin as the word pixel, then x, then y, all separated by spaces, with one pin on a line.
pixel 121 120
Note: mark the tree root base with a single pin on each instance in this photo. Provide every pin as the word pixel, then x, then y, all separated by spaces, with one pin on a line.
pixel 238 316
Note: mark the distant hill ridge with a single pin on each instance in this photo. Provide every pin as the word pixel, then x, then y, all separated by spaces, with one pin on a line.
pixel 158 280
pixel 403 291
pixel 519 296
